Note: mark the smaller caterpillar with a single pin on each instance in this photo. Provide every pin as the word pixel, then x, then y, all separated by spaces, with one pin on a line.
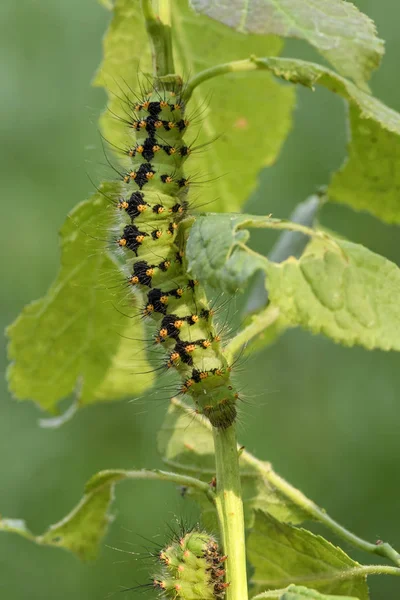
pixel 192 568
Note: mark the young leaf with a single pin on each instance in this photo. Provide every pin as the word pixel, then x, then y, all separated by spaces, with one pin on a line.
pixel 227 113
pixel 369 179
pixel 283 554
pixel 75 339
pixel 338 30
pixel 299 592
pixel 186 444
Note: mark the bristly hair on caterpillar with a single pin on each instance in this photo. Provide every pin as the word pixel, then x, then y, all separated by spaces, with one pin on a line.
pixel 151 240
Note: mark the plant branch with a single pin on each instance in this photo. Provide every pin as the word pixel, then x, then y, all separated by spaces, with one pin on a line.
pixel 229 506
pixel 258 324
pixel 159 31
pixel 299 499
pixel 312 579
pixel 184 480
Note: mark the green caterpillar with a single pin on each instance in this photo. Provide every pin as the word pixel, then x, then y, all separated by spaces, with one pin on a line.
pixel 192 568
pixel 153 205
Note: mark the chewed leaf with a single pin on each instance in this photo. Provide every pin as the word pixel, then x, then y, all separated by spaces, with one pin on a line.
pixel 224 114
pixel 299 592
pixel 338 30
pixel 307 558
pixel 347 293
pixel 369 179
pixel 186 443
pixel 75 339
pixel 79 532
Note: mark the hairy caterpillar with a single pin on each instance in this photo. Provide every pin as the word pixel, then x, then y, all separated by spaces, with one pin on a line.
pixel 152 206
pixel 192 568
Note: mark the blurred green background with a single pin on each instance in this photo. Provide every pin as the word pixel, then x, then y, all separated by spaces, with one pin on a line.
pixel 326 416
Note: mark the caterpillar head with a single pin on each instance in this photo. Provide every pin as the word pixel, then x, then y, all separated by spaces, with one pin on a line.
pixel 192 568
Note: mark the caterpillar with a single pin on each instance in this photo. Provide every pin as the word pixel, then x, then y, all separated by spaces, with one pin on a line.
pixel 151 235
pixel 192 568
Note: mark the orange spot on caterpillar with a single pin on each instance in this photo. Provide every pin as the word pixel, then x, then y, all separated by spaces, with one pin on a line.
pixel 163 104
pixel 150 272
pixel 194 318
pixel 177 106
pixel 123 204
pixel 134 280
pixel 121 242
pixel 206 343
pixel 171 124
pixel 139 149
pixel 156 148
pixel 149 175
pixel 178 324
pixel 164 299
pixel 149 308
pixel 163 333
pixel 190 347
pixel 133 174
pixel 158 124
pixel 146 105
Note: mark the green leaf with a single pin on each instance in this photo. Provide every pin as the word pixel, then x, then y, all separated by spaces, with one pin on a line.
pixel 186 443
pixel 123 71
pixel 345 291
pixel 282 554
pixel 80 531
pixel 75 339
pixel 299 592
pixel 337 288
pixel 216 253
pixel 338 30
pixel 228 112
pixel 369 179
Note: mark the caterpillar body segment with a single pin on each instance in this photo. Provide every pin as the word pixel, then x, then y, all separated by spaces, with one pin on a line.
pixel 152 206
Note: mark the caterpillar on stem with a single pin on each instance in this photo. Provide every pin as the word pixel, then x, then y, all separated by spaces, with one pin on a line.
pixel 151 237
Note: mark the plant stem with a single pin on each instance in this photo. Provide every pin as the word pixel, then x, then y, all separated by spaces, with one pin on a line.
pixel 317 513
pixel 229 506
pixel 258 324
pixel 299 499
pixel 232 67
pixel 159 30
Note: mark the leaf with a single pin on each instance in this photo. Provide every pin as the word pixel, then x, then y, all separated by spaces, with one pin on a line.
pixel 186 443
pixel 227 112
pixel 347 293
pixel 369 179
pixel 299 592
pixel 337 288
pixel 289 243
pixel 80 531
pixel 75 339
pixel 216 253
pixel 283 554
pixel 338 30
pixel 123 71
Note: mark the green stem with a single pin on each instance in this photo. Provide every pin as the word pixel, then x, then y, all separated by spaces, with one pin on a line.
pixel 236 66
pixel 183 480
pixel 229 506
pixel 341 575
pixel 317 513
pixel 159 30
pixel 258 324
pixel 299 499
